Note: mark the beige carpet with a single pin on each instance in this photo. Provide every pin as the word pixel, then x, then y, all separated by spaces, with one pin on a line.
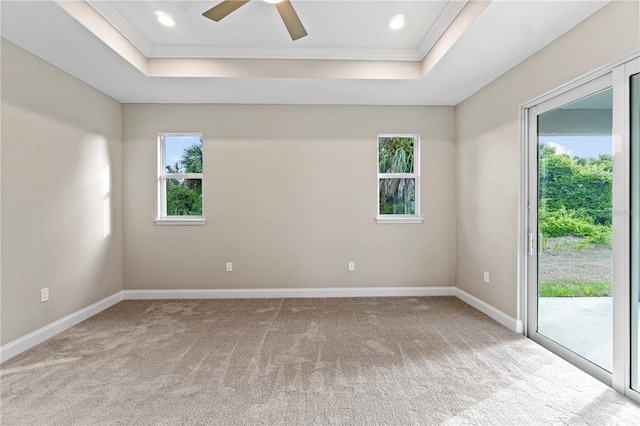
pixel 361 361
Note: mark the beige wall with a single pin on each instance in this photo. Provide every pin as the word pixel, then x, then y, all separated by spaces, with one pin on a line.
pixel 290 198
pixel 488 147
pixel 290 191
pixel 58 138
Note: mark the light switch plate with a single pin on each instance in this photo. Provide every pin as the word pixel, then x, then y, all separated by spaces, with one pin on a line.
pixel 44 294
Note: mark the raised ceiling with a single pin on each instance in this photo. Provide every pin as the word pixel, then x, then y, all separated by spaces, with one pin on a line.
pixel 446 51
pixel 351 30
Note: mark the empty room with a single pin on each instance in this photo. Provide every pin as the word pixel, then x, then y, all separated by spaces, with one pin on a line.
pixel 319 212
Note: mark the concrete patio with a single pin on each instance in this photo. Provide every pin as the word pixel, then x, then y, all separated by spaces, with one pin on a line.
pixel 581 324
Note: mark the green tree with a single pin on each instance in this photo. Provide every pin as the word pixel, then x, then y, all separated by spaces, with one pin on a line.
pixel 192 159
pixel 580 185
pixel 575 195
pixel 184 196
pixel 182 201
pixel 395 155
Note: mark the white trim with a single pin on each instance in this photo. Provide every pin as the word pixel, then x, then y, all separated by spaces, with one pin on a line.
pixel 444 21
pixel 632 68
pixel 179 221
pixel 329 292
pixel 397 175
pixel 168 176
pixel 24 343
pixel 163 176
pixel 494 313
pixel 624 305
pixel 121 24
pixel 414 218
pixel 621 241
pixel 312 54
pixel 531 222
pixel 523 221
pixel 275 293
pixel 388 219
pixel 567 97
pixel 32 339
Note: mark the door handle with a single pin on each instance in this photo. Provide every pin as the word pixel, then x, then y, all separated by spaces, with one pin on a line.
pixel 530 235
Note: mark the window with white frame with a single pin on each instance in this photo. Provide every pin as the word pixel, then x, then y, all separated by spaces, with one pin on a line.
pixel 398 179
pixel 180 179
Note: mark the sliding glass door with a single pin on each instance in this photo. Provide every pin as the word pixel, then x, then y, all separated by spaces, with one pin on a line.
pixel 582 261
pixel 572 187
pixel 575 166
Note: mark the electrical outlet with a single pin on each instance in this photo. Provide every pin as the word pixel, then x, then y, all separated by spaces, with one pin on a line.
pixel 352 265
pixel 486 277
pixel 229 267
pixel 44 294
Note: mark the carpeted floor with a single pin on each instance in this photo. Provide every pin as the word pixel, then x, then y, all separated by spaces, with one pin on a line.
pixel 361 361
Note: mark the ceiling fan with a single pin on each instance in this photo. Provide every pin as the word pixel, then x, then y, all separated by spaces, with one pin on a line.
pixel 285 9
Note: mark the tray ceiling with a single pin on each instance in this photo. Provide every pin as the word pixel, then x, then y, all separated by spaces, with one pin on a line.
pixel 447 50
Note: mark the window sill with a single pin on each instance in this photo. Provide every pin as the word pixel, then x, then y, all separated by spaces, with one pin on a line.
pixel 180 221
pixel 401 219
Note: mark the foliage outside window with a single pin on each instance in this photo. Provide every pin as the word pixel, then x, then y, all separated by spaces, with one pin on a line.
pixel 575 197
pixel 180 179
pixel 398 179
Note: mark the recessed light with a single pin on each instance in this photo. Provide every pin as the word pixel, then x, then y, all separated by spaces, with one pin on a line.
pixel 165 19
pixel 273 1
pixel 396 22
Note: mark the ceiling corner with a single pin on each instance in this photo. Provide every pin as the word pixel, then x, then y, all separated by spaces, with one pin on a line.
pixel 443 22
pixel 121 24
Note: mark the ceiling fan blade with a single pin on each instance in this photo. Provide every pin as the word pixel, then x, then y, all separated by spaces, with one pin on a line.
pixel 221 10
pixel 291 20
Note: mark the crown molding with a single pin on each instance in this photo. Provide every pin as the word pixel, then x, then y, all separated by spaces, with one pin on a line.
pixel 316 53
pixel 443 22
pixel 284 68
pixel 105 31
pixel 120 23
pixel 106 22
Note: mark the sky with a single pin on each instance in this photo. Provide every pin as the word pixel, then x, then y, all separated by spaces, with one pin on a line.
pixel 175 145
pixel 580 146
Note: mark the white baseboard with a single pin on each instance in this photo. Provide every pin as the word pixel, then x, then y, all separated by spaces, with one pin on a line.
pixel 32 339
pixel 490 311
pixel 20 345
pixel 271 293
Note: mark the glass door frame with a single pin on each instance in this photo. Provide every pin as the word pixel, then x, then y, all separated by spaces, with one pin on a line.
pixel 596 85
pixel 615 75
pixel 622 315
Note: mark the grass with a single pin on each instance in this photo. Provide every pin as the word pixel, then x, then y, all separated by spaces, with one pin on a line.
pixel 574 289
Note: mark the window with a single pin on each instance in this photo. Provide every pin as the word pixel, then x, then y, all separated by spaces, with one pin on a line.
pixel 180 179
pixel 398 179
